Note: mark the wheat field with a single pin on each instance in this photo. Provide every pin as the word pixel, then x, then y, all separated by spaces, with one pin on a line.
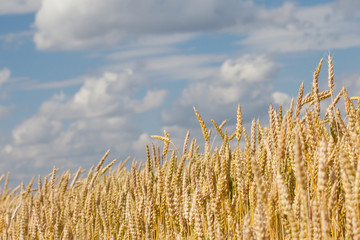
pixel 297 178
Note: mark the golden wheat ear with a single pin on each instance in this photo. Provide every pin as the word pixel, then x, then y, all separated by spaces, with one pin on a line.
pixel 218 129
pixel 299 100
pixel 239 124
pixel 315 88
pixel 202 125
pixel 166 140
pixel 330 73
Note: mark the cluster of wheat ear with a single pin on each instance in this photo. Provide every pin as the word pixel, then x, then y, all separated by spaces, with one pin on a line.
pixel 298 178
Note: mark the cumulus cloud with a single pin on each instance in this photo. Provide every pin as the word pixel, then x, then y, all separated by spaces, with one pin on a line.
pixel 152 99
pixel 19 6
pixel 138 144
pixel 80 24
pixel 173 67
pixel 100 96
pixel 281 98
pixel 67 130
pixel 248 69
pixel 351 82
pixel 293 28
pixel 37 129
pixel 246 80
pixel 239 80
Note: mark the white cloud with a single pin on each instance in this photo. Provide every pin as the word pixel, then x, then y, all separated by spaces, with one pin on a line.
pixel 211 92
pixel 294 28
pixel 97 97
pixel 281 98
pixel 246 80
pixel 19 6
pixel 4 76
pixel 185 66
pixel 100 115
pixel 238 78
pixel 173 67
pixel 248 69
pixel 351 83
pixel 218 96
pixel 37 129
pixel 139 144
pixel 152 99
pixel 81 24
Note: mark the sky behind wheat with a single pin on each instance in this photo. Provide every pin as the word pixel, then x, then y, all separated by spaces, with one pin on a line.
pixel 79 77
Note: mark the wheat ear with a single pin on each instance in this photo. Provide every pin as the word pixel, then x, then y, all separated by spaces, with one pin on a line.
pixel 202 125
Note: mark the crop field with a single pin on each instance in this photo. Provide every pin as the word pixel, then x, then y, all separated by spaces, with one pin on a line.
pixel 297 178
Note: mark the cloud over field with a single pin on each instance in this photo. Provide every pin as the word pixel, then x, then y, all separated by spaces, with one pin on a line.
pixel 98 116
pixel 103 113
pixel 80 24
pixel 245 80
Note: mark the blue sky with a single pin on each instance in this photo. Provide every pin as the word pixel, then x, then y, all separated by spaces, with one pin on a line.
pixel 79 77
